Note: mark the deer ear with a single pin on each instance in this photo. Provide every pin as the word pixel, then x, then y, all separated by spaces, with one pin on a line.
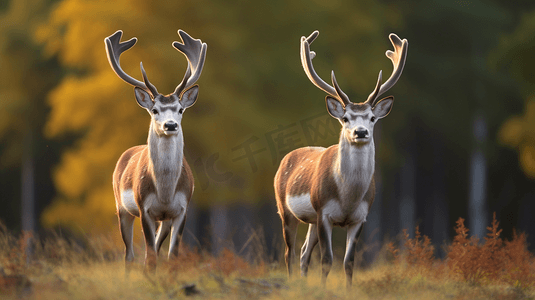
pixel 383 107
pixel 189 96
pixel 143 98
pixel 335 107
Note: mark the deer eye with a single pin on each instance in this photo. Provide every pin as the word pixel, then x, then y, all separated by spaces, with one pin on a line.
pixel 373 119
pixel 180 110
pixel 345 120
pixel 155 111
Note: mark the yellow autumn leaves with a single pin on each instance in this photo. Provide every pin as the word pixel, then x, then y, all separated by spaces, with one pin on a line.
pixel 519 132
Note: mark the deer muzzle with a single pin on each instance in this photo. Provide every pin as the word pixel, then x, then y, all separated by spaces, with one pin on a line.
pixel 170 126
pixel 361 133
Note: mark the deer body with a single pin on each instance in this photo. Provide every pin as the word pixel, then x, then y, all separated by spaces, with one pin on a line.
pixel 320 175
pixel 162 203
pixel 154 182
pixel 333 186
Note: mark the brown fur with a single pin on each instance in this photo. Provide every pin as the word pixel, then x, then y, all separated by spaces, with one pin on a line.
pixel 310 170
pixel 306 170
pixel 315 177
pixel 131 172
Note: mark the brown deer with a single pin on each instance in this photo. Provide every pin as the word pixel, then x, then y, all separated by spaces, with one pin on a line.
pixel 154 182
pixel 334 186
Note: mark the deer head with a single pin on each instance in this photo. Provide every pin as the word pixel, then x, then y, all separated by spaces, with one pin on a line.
pixel 357 119
pixel 165 110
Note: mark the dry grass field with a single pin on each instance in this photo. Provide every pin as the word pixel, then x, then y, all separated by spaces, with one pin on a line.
pixel 59 268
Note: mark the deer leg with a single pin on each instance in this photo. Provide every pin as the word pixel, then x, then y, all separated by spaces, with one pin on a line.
pixel 289 232
pixel 325 229
pixel 163 232
pixel 148 226
pixel 353 233
pixel 306 252
pixel 126 225
pixel 176 234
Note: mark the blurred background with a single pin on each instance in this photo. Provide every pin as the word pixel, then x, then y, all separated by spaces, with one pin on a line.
pixel 459 142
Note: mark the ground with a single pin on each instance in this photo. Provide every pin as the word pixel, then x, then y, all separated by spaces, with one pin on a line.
pixel 60 268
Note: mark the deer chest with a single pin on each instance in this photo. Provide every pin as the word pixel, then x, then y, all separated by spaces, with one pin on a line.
pixel 164 210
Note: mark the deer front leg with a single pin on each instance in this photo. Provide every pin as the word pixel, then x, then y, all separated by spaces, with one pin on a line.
pixel 176 234
pixel 306 252
pixel 325 229
pixel 163 232
pixel 353 233
pixel 148 226
pixel 126 224
pixel 289 232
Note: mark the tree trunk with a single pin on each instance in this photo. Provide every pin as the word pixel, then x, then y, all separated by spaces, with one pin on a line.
pixel 219 227
pixel 27 184
pixel 407 207
pixel 477 208
pixel 440 207
pixel 28 193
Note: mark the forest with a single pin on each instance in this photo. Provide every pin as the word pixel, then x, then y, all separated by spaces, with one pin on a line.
pixel 458 143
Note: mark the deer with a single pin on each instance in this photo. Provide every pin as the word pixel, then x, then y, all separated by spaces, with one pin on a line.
pixel 153 181
pixel 334 186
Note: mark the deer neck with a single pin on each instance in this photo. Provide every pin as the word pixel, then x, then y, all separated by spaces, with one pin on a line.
pixel 354 168
pixel 165 162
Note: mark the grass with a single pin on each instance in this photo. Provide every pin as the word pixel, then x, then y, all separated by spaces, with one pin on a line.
pixel 62 269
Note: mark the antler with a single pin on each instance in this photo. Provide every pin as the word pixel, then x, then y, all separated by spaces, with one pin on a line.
pixel 306 61
pixel 195 52
pixel 398 58
pixel 114 49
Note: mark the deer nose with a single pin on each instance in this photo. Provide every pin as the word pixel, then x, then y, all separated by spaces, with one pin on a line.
pixel 361 133
pixel 170 126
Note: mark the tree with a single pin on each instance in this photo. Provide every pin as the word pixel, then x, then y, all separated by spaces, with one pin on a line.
pixel 25 79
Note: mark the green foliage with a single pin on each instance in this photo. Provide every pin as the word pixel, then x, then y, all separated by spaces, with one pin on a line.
pixel 514 57
pixel 514 54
